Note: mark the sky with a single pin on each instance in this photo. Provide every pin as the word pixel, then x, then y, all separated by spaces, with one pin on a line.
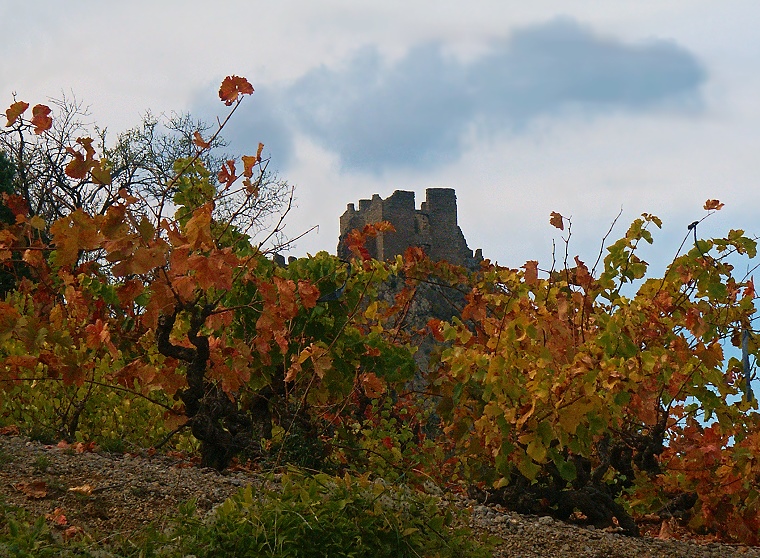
pixel 586 108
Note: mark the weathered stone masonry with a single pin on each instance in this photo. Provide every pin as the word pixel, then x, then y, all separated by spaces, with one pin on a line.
pixel 433 227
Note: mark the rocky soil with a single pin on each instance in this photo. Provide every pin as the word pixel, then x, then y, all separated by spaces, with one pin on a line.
pixel 83 490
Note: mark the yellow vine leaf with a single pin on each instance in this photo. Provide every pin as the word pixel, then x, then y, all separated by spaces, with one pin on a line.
pixel 198 228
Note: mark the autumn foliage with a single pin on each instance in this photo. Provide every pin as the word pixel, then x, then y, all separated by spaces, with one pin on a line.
pixel 594 391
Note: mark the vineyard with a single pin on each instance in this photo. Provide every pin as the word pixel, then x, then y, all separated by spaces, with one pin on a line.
pixel 143 308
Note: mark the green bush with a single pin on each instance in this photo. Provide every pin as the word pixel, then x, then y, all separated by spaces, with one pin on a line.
pixel 324 516
pixel 116 420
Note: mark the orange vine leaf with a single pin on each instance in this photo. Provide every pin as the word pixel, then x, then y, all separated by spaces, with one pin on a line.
pixel 41 119
pixel 556 221
pixel 227 174
pixel 373 386
pixel 232 87
pixel 309 293
pixel 199 141
pixel 77 167
pixel 248 163
pixel 531 272
pixel 14 111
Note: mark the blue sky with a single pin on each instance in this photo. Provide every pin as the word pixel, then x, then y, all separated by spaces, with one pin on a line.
pixel 578 107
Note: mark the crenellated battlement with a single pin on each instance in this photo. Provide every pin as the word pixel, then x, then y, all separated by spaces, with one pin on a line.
pixel 433 227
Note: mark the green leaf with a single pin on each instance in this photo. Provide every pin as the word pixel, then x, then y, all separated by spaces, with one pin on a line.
pixel 536 450
pixel 566 469
pixel 528 468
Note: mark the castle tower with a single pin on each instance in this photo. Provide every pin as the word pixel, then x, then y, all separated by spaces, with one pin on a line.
pixel 433 227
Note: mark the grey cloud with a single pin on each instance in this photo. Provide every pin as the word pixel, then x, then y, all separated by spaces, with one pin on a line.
pixel 414 113
pixel 546 68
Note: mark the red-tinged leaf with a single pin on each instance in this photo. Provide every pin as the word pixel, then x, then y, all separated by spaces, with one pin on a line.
pixel 98 335
pixel 148 259
pixel 129 291
pixel 174 419
pixel 582 276
pixel 88 148
pixel 82 447
pixel 122 268
pixel 308 293
pixel 476 306
pixel 259 151
pixel 14 111
pixel 41 119
pixel 77 167
pixel 34 489
pixel 557 221
pixel 185 287
pixel 436 328
pixel 7 238
pixel 77 231
pixel 286 289
pixel 176 238
pixel 666 532
pixel 749 288
pixel 221 320
pixel 199 141
pixel 11 430
pixel 232 87
pixel 72 532
pixel 179 260
pixel 713 204
pixel 227 174
pixel 364 253
pixel 413 255
pixel 17 204
pixel 27 362
pixel 293 372
pixel 128 198
pixel 58 517
pixel 531 272
pixel 373 229
pixel 135 370
pixel 373 386
pixel 213 270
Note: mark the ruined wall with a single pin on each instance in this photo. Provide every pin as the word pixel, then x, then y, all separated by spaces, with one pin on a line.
pixel 433 227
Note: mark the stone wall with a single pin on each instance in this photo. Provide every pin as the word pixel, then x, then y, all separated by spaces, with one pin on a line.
pixel 433 227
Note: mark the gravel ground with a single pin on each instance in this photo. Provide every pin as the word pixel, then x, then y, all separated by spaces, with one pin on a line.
pixel 108 493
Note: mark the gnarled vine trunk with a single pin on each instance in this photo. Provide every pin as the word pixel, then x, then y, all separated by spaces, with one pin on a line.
pixel 222 428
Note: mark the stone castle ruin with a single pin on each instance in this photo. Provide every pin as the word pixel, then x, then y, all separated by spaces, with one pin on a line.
pixel 433 227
